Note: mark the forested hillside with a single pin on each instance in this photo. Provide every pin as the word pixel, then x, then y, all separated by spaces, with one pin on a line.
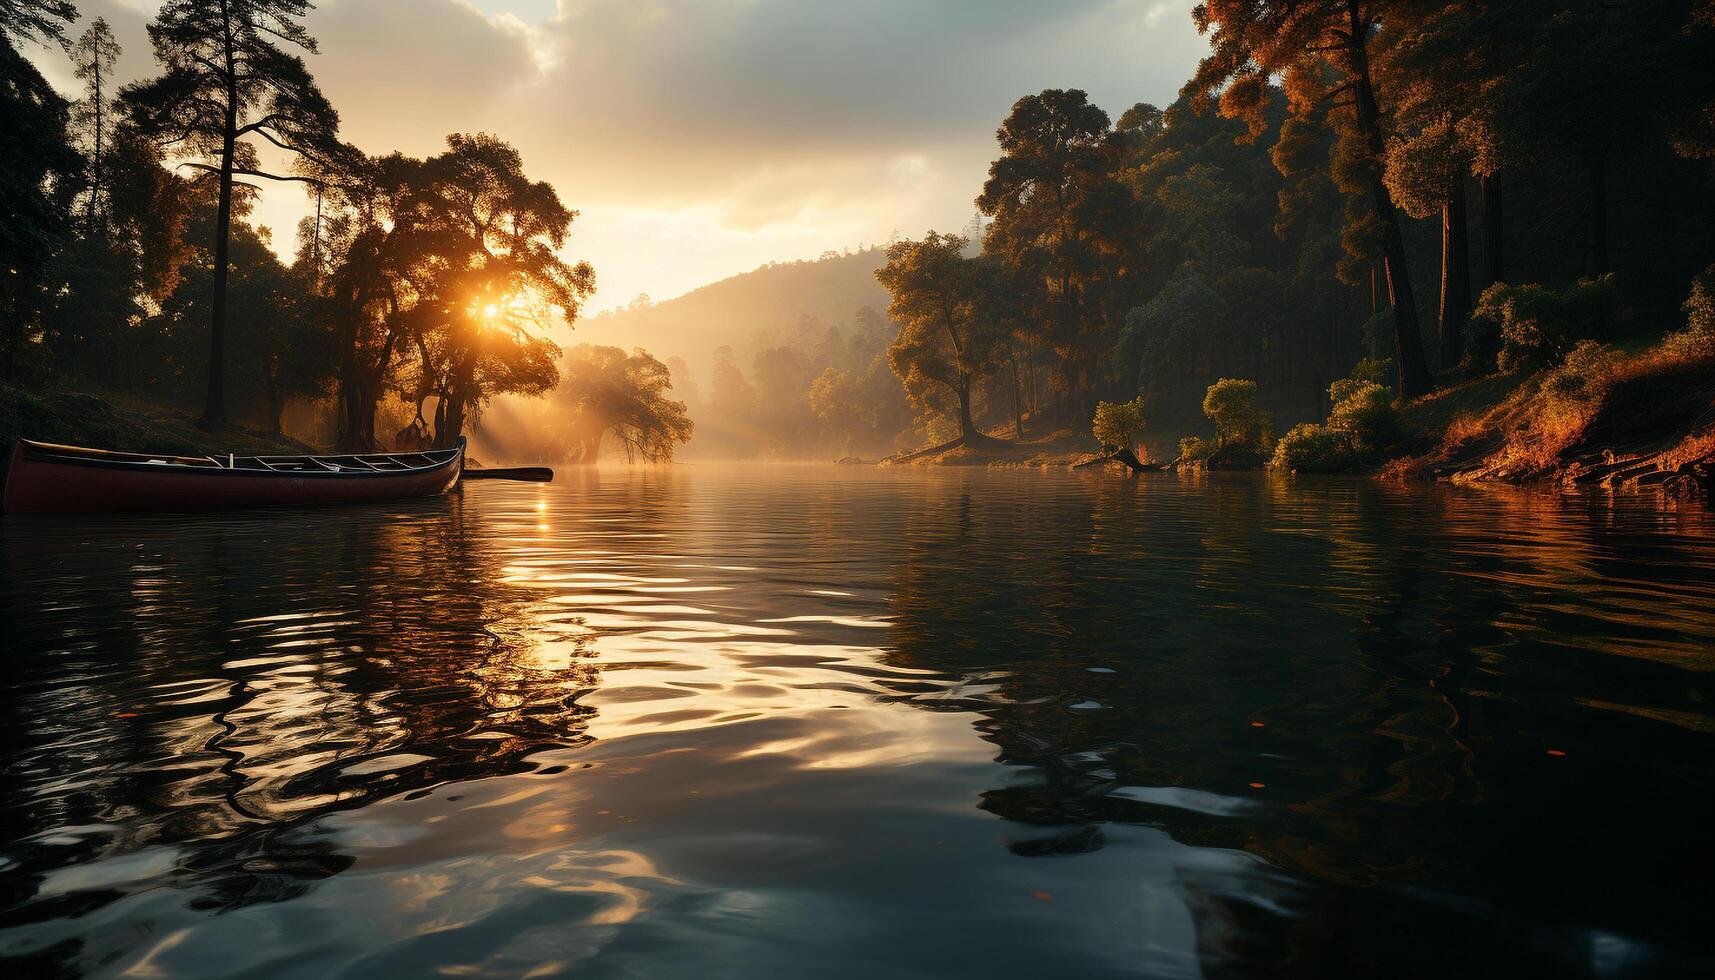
pixel 745 311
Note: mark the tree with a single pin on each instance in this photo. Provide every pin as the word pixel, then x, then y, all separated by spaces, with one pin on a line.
pixel 834 398
pixel 35 159
pixel 1634 64
pixel 1438 66
pixel 1059 215
pixel 225 80
pixel 1322 49
pixel 941 340
pixel 1231 404
pixel 491 276
pixel 368 273
pixel 608 390
pixel 1119 425
pixel 95 53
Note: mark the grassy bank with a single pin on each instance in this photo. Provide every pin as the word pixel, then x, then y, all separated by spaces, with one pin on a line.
pixel 1606 417
pixel 1640 418
pixel 88 420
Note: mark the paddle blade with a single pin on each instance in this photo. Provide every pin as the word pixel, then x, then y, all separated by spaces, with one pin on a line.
pixel 533 474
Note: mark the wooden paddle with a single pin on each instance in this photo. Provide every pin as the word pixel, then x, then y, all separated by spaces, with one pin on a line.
pixel 535 474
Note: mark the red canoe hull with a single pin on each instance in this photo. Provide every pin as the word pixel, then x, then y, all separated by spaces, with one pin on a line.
pixel 40 482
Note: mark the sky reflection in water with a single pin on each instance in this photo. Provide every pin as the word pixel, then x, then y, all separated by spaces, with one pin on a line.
pixel 779 721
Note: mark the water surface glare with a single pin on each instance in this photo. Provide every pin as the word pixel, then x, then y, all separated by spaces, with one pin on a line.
pixel 809 721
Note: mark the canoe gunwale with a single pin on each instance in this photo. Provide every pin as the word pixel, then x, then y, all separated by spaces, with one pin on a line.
pixel 50 453
pixel 45 478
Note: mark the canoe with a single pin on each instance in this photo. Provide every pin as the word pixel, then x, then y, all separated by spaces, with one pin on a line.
pixel 44 477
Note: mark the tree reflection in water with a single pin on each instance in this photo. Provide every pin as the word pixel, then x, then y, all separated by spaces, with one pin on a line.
pixel 1350 686
pixel 389 658
pixel 1243 727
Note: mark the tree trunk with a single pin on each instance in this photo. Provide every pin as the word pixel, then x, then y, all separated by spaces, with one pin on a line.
pixel 967 428
pixel 456 402
pixel 272 389
pixel 1455 274
pixel 95 160
pixel 1494 244
pixel 1413 372
pixel 214 401
pixel 1598 173
pixel 1017 398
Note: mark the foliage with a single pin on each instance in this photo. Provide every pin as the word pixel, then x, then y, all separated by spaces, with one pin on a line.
pixel 225 79
pixel 1535 325
pixel 1698 337
pixel 1231 404
pixel 1311 448
pixel 1197 448
pixel 946 336
pixel 605 390
pixel 1119 424
pixel 1361 423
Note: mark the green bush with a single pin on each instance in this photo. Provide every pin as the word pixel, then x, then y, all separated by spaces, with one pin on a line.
pixel 1531 325
pixel 1698 337
pixel 1361 423
pixel 1311 448
pixel 1194 448
pixel 1231 404
pixel 1585 369
pixel 1363 414
pixel 1366 371
pixel 1118 425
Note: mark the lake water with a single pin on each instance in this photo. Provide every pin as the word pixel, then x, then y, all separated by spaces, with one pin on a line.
pixel 842 722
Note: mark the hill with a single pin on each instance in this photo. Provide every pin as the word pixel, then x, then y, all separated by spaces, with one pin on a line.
pixel 747 312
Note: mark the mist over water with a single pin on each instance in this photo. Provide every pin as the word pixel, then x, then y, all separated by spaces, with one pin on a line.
pixel 786 720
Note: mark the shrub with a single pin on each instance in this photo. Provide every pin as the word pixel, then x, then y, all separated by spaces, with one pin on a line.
pixel 1231 404
pixel 1363 414
pixel 1583 374
pixel 1698 338
pixel 1311 448
pixel 1361 422
pixel 1366 371
pixel 1700 305
pixel 1118 424
pixel 1194 448
pixel 1534 325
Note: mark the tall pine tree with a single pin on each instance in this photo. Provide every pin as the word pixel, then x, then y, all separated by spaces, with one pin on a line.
pixel 226 79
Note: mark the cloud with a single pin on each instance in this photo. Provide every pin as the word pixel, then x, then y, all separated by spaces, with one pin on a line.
pixel 772 128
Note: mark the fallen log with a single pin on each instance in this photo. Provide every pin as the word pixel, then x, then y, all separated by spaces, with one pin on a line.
pixel 1130 460
pixel 920 453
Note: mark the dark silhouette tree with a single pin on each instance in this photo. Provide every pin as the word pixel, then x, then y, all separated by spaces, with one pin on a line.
pixel 227 77
pixel 95 54
pixel 1598 78
pixel 490 274
pixel 35 159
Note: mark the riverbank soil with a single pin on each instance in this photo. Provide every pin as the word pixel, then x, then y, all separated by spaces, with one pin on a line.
pixel 1632 420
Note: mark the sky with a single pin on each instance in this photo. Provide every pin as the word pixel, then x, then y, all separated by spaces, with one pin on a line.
pixel 702 138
